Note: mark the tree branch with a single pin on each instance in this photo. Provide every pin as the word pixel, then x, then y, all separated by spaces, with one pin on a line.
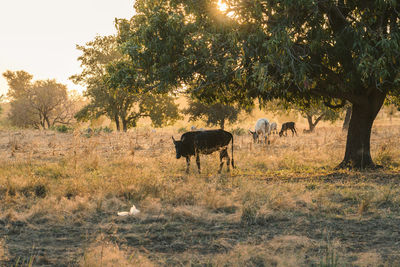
pixel 329 105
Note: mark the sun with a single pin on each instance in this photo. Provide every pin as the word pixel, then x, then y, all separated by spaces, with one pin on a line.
pixel 222 6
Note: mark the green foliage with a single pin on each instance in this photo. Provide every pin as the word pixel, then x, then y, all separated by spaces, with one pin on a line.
pixel 267 50
pixel 115 88
pixel 239 131
pixel 329 51
pixel 107 130
pixel 96 55
pixel 212 114
pixel 182 130
pixel 88 132
pixel 312 109
pixel 63 128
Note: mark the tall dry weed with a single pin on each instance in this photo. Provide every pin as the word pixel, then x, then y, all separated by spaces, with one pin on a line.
pixel 107 254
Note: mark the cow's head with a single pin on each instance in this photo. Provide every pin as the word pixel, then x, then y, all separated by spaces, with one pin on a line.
pixel 280 133
pixel 254 135
pixel 178 147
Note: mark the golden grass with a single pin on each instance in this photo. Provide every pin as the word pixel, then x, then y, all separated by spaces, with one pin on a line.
pixel 66 179
pixel 106 254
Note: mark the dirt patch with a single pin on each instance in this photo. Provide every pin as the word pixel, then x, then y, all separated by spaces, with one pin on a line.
pixel 167 240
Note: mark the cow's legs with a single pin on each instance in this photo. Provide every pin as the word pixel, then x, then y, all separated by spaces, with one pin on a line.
pixel 224 154
pixel 266 140
pixel 187 164
pixel 295 131
pixel 198 161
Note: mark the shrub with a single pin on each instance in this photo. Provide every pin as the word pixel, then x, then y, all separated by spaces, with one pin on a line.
pixel 182 130
pixel 62 128
pixel 239 131
pixel 107 130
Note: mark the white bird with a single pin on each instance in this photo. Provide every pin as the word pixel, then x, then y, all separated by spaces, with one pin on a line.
pixel 132 211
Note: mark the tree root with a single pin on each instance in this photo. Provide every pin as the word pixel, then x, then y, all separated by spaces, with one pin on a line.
pixel 348 165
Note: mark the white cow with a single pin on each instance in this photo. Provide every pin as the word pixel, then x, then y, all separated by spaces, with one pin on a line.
pixel 274 127
pixel 262 128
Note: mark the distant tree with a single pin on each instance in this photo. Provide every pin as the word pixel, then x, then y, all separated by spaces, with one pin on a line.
pixel 310 109
pixel 94 59
pixel 19 83
pixel 39 104
pixel 115 88
pixel 212 114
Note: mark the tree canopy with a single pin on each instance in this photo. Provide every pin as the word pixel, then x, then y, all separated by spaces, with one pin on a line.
pixel 39 104
pixel 329 50
pixel 115 88
pixel 312 110
pixel 212 114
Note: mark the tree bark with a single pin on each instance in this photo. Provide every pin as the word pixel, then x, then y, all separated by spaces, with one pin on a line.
pixel 48 122
pixel 222 124
pixel 363 114
pixel 311 125
pixel 116 119
pixel 124 125
pixel 346 121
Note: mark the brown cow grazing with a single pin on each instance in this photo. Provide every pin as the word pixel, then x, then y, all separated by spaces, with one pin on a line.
pixel 204 142
pixel 288 126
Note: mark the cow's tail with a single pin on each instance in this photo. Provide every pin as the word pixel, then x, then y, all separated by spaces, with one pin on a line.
pixel 232 162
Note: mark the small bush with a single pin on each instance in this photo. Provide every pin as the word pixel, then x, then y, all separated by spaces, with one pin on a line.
pixel 107 130
pixel 182 130
pixel 386 156
pixel 249 214
pixel 239 131
pixel 40 190
pixel 63 129
pixel 49 171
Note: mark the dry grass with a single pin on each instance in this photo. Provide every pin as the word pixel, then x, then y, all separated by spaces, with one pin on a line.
pixel 107 254
pixel 284 205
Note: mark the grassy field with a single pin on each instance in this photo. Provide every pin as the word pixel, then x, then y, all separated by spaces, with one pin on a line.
pixel 284 204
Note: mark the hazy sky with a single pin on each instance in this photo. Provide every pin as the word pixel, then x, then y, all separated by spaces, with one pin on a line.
pixel 39 36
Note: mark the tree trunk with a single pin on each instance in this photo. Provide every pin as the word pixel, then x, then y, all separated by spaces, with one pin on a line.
pixel 222 124
pixel 48 122
pixel 311 125
pixel 347 119
pixel 116 119
pixel 124 125
pixel 363 114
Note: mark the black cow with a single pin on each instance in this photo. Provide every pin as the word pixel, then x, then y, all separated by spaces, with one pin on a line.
pixel 204 142
pixel 288 126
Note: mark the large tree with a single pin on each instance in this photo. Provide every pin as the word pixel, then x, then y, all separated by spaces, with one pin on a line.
pixel 330 50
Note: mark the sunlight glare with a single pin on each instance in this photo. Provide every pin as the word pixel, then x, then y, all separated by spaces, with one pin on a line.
pixel 222 6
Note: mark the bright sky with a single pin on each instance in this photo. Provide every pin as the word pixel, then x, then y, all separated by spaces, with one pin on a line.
pixel 39 36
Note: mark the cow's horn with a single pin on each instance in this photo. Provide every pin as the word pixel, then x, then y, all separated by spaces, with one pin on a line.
pixel 173 139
